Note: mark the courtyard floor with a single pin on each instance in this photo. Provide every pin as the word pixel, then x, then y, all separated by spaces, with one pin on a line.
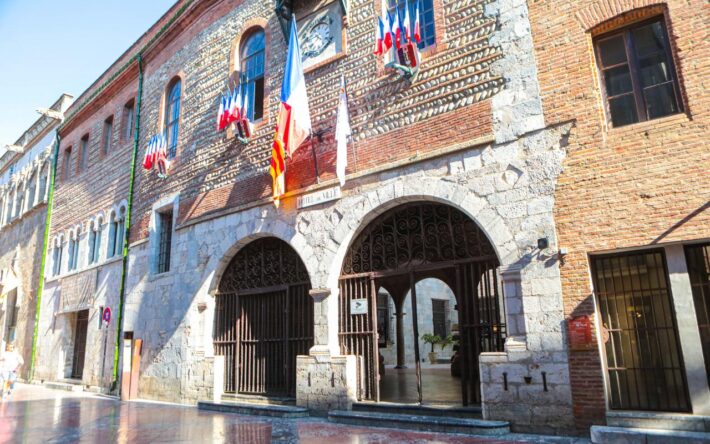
pixel 35 414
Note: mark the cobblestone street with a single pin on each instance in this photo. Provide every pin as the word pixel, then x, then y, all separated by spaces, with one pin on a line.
pixel 38 415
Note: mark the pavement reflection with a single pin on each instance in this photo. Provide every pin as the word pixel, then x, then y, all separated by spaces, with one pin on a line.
pixel 37 415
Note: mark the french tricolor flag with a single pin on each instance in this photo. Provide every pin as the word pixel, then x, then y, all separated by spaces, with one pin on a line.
pixel 294 123
pixel 407 23
pixel 397 29
pixel 417 29
pixel 380 44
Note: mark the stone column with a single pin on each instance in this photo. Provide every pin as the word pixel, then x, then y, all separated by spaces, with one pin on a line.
pixel 510 276
pixel 399 314
pixel 688 330
pixel 320 322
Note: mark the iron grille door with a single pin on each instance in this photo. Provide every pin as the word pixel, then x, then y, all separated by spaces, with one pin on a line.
pixel 82 323
pixel 698 259
pixel 643 357
pixel 358 332
pixel 480 326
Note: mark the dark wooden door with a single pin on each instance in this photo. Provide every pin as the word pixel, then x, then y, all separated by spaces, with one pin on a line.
pixel 698 259
pixel 82 323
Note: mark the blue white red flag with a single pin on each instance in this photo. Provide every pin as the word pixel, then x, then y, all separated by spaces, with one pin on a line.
pixel 417 27
pixel 294 122
pixel 407 23
pixel 220 114
pixel 150 153
pixel 380 35
pixel 397 28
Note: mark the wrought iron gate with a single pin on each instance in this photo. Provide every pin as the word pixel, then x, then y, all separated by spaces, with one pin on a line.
pixel 263 319
pixel 423 239
pixel 643 359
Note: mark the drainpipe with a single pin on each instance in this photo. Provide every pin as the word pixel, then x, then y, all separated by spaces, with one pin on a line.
pixel 127 226
pixel 40 285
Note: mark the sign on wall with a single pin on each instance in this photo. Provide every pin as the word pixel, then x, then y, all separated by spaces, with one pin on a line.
pixel 358 306
pixel 580 333
pixel 319 197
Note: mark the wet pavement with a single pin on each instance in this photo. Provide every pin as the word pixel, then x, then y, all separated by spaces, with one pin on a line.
pixel 37 415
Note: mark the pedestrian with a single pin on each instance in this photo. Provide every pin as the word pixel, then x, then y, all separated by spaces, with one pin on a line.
pixel 11 363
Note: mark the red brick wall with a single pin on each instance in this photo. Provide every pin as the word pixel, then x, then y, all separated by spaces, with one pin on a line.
pixel 622 187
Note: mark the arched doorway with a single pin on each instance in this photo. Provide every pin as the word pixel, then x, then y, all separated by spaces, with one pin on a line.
pixel 263 318
pixel 406 245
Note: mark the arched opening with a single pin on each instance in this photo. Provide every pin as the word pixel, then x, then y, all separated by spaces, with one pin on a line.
pixel 263 319
pixel 252 60
pixel 438 272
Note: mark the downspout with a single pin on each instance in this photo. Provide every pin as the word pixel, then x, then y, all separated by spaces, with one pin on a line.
pixel 127 226
pixel 40 286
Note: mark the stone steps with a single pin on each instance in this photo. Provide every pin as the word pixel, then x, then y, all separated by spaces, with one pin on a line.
pixel 626 435
pixel 66 385
pixel 424 423
pixel 420 410
pixel 278 411
pixel 655 420
pixel 258 399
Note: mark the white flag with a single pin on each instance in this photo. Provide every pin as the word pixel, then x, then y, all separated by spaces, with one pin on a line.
pixel 342 132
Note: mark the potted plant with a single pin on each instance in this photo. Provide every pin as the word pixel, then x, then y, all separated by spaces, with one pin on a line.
pixel 445 342
pixel 432 340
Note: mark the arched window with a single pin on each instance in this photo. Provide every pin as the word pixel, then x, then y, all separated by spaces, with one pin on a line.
pixel 95 232
pixel 44 183
pixel 57 257
pixel 172 116
pixel 74 250
pixel 19 200
pixel 8 208
pixel 252 73
pixel 32 191
pixel 115 240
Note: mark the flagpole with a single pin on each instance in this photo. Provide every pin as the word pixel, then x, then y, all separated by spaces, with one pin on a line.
pixel 313 150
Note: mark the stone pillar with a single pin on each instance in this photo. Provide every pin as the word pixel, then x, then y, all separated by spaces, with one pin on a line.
pixel 688 330
pixel 399 314
pixel 320 322
pixel 510 276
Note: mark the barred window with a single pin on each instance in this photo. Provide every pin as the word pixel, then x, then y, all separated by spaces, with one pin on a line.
pixel 84 161
pixel 108 134
pixel 639 80
pixel 426 18
pixel 67 161
pixel 165 227
pixel 129 114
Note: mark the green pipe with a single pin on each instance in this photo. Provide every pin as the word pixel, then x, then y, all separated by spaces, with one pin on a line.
pixel 40 286
pixel 127 225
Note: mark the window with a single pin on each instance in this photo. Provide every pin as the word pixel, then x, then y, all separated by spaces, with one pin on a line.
pixel 115 240
pixel 426 18
pixel 57 259
pixel 11 313
pixel 252 73
pixel 19 200
pixel 31 192
pixel 129 114
pixel 165 227
pixel 108 134
pixel 43 182
pixel 8 209
pixel 74 251
pixel 637 72
pixel 67 164
pixel 172 116
pixel 439 309
pixel 94 242
pixel 84 152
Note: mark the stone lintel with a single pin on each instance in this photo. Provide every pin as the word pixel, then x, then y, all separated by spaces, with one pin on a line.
pixel 319 294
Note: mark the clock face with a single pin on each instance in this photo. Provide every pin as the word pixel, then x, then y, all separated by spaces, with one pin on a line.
pixel 318 38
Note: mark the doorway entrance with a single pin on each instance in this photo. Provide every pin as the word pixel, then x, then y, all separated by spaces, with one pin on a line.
pixel 263 319
pixel 420 269
pixel 80 330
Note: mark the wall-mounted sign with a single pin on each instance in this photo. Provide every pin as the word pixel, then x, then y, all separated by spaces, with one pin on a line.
pixel 106 315
pixel 580 333
pixel 358 306
pixel 319 197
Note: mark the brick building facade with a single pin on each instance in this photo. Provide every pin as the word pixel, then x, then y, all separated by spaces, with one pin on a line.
pixel 641 187
pixel 474 148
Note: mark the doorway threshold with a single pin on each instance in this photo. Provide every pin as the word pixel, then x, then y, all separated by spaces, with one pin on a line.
pixel 439 410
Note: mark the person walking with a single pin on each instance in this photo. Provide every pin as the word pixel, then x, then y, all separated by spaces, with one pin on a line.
pixel 9 366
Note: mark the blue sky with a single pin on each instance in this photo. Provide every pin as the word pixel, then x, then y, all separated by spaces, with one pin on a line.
pixel 48 47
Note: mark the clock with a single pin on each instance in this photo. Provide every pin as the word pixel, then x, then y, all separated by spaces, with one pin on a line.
pixel 318 36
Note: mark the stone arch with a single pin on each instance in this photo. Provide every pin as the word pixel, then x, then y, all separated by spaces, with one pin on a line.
pixel 369 206
pixel 269 228
pixel 600 14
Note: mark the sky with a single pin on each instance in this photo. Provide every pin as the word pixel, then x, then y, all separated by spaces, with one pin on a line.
pixel 49 47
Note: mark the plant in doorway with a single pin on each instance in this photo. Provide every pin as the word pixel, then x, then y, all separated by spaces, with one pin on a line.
pixel 432 339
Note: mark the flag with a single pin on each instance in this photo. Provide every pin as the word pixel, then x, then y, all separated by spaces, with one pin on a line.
pixel 162 162
pixel 150 151
pixel 407 23
pixel 387 29
pixel 380 36
pixel 220 114
pixel 342 132
pixel 417 28
pixel 235 108
pixel 227 109
pixel 396 28
pixel 294 121
pixel 245 124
